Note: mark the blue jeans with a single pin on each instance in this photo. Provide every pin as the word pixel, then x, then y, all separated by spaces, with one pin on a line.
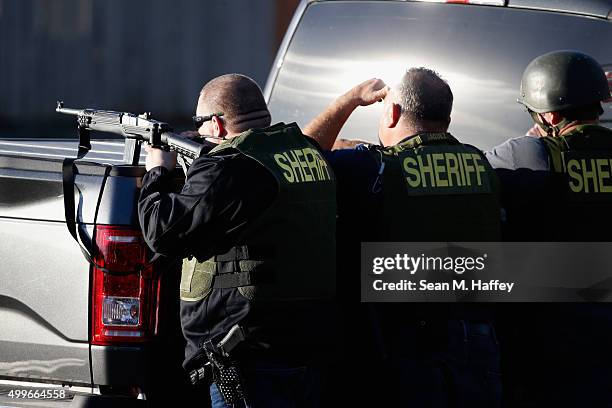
pixel 276 386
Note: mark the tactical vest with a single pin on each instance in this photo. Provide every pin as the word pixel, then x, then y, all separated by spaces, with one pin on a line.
pixel 583 158
pixel 434 189
pixel 437 189
pixel 288 252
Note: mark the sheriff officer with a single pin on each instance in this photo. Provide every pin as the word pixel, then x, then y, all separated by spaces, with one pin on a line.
pixel 557 186
pixel 255 222
pixel 419 184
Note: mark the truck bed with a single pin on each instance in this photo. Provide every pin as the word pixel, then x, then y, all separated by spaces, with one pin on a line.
pixel 108 151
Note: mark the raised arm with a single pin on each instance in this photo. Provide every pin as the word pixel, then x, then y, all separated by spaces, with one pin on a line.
pixel 326 126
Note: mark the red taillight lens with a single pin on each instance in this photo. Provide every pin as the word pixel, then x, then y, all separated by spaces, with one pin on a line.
pixel 125 288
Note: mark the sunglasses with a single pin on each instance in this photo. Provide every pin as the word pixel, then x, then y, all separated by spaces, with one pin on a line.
pixel 198 121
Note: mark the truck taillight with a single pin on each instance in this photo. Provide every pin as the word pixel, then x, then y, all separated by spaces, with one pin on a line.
pixel 125 288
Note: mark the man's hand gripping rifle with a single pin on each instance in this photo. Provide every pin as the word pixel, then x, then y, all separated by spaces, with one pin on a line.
pixel 139 128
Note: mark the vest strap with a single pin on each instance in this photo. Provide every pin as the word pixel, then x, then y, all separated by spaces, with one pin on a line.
pixel 556 146
pixel 426 139
pixel 244 252
pixel 257 276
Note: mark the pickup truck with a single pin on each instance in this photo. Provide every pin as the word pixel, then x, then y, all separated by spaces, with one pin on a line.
pixel 481 47
pixel 67 326
pixel 69 332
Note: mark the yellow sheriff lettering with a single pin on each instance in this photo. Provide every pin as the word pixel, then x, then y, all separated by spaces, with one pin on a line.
pixel 302 165
pixel 590 175
pixel 281 160
pixel 426 169
pixel 467 167
pixel 452 167
pixel 603 170
pixel 573 171
pixel 414 175
pixel 444 170
pixel 476 158
pixel 440 171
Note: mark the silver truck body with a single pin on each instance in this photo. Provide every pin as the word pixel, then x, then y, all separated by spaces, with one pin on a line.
pixel 481 50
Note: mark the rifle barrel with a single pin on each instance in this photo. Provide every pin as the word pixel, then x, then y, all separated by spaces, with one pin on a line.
pixel 70 111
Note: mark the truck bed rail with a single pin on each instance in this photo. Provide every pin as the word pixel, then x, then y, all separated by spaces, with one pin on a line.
pixel 103 151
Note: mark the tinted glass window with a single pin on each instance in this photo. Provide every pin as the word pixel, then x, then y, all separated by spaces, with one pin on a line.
pixel 480 51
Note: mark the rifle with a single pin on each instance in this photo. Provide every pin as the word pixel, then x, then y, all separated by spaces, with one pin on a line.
pixel 136 128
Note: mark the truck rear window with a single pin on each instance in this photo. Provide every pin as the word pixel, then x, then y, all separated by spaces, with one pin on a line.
pixel 481 51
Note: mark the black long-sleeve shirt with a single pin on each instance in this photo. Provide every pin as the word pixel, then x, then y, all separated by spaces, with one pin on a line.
pixel 221 195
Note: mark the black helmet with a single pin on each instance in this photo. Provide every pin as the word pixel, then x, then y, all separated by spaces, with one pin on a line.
pixel 560 80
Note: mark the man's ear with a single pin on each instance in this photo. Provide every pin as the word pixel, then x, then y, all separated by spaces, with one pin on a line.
pixel 217 126
pixel 392 115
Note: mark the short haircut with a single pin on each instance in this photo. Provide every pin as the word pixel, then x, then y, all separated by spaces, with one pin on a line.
pixel 240 100
pixel 424 96
pixel 589 112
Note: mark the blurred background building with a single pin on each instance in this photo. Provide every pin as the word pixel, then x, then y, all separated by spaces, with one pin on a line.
pixel 137 55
